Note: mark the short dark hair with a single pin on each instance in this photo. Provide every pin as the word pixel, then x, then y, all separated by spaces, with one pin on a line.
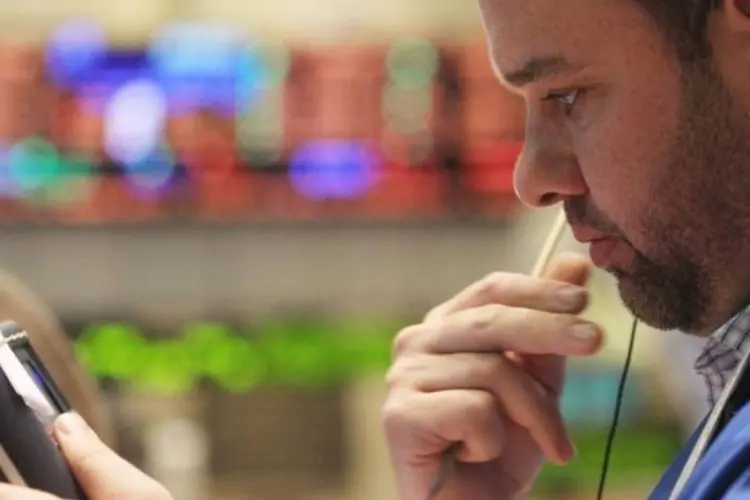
pixel 684 23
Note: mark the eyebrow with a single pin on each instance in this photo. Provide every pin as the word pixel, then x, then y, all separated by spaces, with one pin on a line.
pixel 538 68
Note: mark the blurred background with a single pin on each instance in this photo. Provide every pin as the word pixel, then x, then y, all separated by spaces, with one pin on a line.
pixel 233 206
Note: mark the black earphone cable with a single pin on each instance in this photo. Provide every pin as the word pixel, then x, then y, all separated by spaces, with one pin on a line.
pixel 616 416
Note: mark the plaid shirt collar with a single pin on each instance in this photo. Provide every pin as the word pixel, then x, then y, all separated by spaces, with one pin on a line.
pixel 723 352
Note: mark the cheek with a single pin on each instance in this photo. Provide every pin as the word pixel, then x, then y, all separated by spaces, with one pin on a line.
pixel 624 157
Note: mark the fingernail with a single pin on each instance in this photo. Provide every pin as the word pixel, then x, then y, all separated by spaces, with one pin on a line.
pixel 71 424
pixel 571 298
pixel 569 452
pixel 584 332
pixel 572 450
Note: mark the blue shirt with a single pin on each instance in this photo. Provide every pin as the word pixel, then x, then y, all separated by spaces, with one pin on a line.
pixel 722 473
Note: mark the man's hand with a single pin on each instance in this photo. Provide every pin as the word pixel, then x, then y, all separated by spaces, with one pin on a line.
pixel 102 474
pixel 486 370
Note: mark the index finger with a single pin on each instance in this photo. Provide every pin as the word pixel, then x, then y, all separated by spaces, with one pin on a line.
pixel 560 290
pixel 498 328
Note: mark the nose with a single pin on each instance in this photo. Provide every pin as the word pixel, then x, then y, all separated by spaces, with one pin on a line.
pixel 547 172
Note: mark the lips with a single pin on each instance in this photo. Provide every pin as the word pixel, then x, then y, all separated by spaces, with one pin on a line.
pixel 602 247
pixel 587 235
pixel 603 251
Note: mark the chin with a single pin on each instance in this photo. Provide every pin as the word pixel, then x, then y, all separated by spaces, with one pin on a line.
pixel 659 305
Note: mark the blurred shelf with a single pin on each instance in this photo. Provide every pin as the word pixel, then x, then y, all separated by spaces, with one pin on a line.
pixel 469 223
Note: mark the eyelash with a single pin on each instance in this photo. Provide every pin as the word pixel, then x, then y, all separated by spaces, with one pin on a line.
pixel 561 98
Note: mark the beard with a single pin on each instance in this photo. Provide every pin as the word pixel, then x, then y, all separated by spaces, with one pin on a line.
pixel 690 277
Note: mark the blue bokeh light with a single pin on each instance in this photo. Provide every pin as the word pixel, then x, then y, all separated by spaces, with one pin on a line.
pixel 116 69
pixel 334 169
pixel 253 78
pixel 191 94
pixel 8 186
pixel 152 175
pixel 73 50
pixel 198 64
pixel 187 50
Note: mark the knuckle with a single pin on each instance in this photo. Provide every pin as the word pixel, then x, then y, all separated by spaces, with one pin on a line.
pixel 487 369
pixel 484 318
pixel 396 414
pixel 481 407
pixel 394 375
pixel 500 283
pixel 495 282
pixel 435 312
pixel 404 371
pixel 407 339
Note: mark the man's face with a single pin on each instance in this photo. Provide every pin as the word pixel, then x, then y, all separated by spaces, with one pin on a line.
pixel 647 154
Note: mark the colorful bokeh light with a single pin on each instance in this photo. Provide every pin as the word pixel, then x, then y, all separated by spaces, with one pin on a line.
pixel 301 355
pixel 151 175
pixel 134 121
pixel 199 66
pixel 8 187
pixel 260 68
pixel 334 169
pixel 76 180
pixel 412 63
pixel 73 50
pixel 195 50
pixel 34 164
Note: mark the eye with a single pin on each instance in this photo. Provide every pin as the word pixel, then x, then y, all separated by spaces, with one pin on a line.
pixel 567 99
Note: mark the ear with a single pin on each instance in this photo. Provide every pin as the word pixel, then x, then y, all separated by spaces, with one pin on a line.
pixel 743 7
pixel 737 15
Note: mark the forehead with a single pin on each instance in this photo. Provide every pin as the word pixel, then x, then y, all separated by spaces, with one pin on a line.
pixel 584 32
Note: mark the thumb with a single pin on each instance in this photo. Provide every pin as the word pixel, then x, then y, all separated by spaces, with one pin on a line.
pixel 101 472
pixel 569 267
pixel 9 492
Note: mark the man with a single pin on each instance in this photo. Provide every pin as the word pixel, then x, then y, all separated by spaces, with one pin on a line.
pixel 638 123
